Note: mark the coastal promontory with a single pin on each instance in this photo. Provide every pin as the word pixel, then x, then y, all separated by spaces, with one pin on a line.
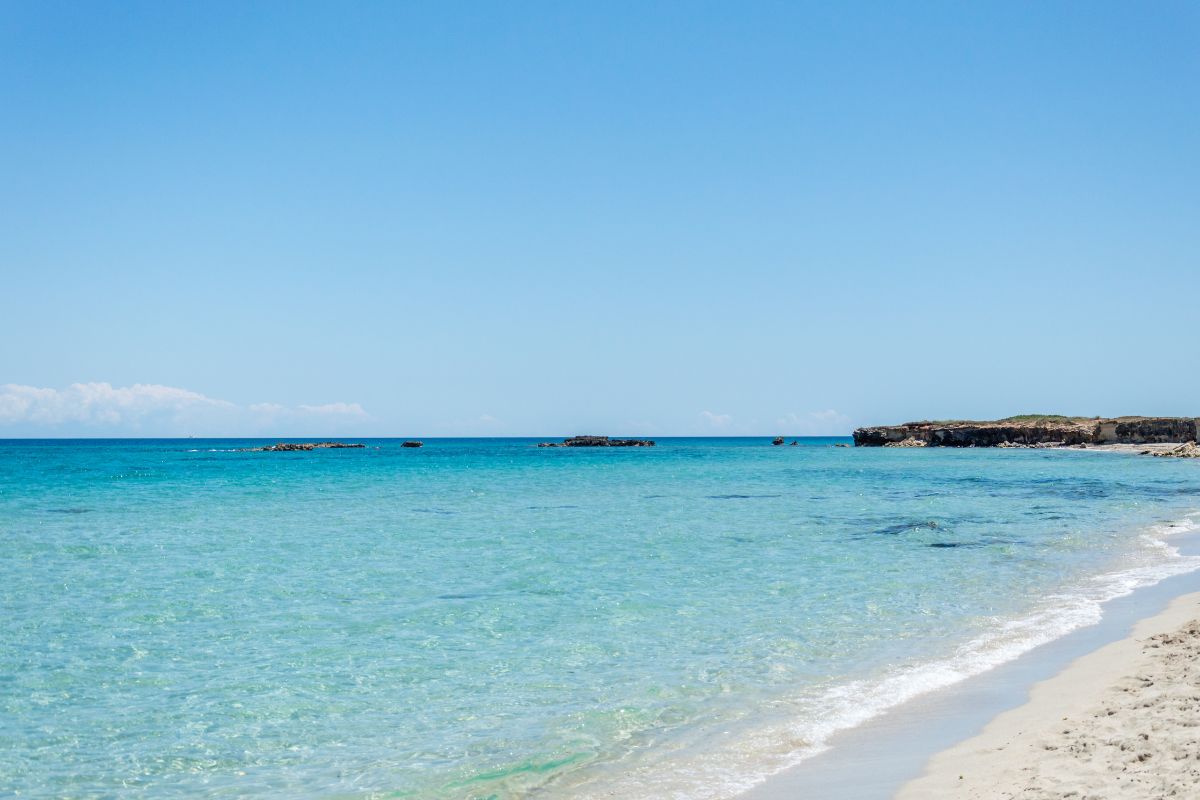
pixel 1031 430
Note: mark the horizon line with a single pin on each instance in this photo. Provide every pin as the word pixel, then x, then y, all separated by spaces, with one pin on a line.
pixel 430 438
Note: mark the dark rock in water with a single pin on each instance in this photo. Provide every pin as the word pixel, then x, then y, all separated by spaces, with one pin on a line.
pixel 293 447
pixel 778 440
pixel 412 443
pixel 794 443
pixel 841 444
pixel 598 441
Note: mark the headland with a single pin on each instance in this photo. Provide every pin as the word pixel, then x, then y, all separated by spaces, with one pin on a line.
pixel 1035 430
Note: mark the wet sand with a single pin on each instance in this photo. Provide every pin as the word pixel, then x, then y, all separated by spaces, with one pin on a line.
pixel 1120 722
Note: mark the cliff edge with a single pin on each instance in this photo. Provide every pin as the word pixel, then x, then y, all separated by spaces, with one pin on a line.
pixel 1030 430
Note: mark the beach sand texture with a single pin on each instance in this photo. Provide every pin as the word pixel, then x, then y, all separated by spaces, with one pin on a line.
pixel 1120 722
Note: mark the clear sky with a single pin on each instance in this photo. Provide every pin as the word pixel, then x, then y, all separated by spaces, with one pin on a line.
pixel 472 218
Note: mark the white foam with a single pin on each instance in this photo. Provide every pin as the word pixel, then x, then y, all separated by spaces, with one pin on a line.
pixel 729 763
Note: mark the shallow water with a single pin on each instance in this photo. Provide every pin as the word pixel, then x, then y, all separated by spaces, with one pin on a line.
pixel 484 618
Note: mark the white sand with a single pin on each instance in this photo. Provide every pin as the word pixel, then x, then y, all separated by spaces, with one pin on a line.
pixel 1120 722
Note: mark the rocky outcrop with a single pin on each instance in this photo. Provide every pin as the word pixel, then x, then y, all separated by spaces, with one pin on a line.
pixel 412 443
pixel 778 440
pixel 974 434
pixel 293 447
pixel 1035 446
pixel 598 441
pixel 909 442
pixel 1045 431
pixel 1188 450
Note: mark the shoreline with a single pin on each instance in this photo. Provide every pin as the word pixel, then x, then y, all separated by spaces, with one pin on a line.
pixel 889 753
pixel 1118 721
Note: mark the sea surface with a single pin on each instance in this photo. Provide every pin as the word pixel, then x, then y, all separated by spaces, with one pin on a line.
pixel 484 618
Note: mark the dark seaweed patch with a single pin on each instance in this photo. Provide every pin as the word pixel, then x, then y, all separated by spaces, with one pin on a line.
pixel 909 527
pixel 68 510
pixel 986 542
pixel 740 496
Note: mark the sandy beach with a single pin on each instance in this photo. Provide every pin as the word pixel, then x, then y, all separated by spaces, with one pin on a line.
pixel 1120 722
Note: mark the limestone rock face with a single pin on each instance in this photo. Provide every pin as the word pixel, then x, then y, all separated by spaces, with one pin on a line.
pixel 1156 429
pixel 909 442
pixel 1188 450
pixel 972 434
pixel 1033 431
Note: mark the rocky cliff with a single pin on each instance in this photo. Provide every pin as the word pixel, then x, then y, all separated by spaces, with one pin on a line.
pixel 1030 430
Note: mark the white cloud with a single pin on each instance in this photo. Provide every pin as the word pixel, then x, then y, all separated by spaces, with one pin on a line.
pixel 152 409
pixel 98 403
pixel 336 410
pixel 815 423
pixel 716 420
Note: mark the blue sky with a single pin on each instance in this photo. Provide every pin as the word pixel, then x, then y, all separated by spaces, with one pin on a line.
pixel 643 218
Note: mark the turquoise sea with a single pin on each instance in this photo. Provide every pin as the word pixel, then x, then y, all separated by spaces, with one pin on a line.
pixel 483 618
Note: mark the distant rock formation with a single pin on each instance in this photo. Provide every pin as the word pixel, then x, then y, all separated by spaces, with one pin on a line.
pixel 598 441
pixel 778 440
pixel 1029 431
pixel 412 443
pixel 292 447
